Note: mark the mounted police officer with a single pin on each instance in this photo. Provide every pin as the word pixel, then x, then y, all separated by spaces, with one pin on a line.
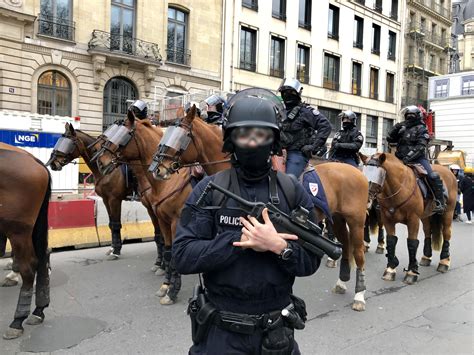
pixel 411 138
pixel 304 131
pixel 248 267
pixel 348 141
pixel 212 110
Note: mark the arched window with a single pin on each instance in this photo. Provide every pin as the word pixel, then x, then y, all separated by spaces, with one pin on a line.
pixel 54 94
pixel 118 94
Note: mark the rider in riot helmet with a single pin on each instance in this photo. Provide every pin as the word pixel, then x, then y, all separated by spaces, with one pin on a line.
pixel 189 105
pixel 411 138
pixel 212 109
pixel 304 131
pixel 347 142
pixel 139 109
pixel 226 247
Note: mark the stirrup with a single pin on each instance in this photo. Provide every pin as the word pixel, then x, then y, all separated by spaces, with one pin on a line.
pixel 438 207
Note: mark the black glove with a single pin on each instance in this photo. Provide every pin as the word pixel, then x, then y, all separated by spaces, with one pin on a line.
pixel 336 145
pixel 307 150
pixel 406 160
pixel 402 130
pixel 320 151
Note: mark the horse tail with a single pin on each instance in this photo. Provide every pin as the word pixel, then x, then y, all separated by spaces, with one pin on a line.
pixel 373 220
pixel 436 226
pixel 40 229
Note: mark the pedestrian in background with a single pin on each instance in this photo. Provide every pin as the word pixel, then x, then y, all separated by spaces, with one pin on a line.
pixel 467 189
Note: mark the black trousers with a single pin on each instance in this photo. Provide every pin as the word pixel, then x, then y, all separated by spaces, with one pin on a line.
pixel 220 342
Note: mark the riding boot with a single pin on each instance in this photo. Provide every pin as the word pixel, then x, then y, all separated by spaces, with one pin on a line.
pixel 115 227
pixel 3 244
pixel 175 282
pixel 412 248
pixel 330 229
pixel 392 260
pixel 437 186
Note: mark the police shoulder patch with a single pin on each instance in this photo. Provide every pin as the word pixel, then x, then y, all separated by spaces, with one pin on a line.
pixel 360 137
pixel 314 188
pixel 426 135
pixel 315 112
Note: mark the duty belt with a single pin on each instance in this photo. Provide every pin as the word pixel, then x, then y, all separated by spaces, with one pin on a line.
pixel 244 323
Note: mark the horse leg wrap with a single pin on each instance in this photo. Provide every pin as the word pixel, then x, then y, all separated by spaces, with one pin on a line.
pixel 175 282
pixel 167 261
pixel 360 280
pixel 345 270
pixel 159 248
pixel 366 233
pixel 24 304
pixel 42 288
pixel 427 251
pixel 115 227
pixel 412 245
pixel 444 250
pixel 392 260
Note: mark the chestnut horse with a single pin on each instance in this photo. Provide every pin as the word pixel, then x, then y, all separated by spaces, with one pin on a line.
pixel 135 145
pixel 112 188
pixel 345 186
pixel 401 201
pixel 25 190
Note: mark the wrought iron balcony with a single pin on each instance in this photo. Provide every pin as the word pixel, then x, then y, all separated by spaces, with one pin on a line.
pixel 57 27
pixel 115 43
pixel 178 55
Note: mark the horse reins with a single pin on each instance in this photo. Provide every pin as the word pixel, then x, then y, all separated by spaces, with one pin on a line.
pixel 393 209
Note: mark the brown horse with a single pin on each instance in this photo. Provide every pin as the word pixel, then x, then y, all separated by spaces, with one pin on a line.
pixel 401 201
pixel 345 186
pixel 135 145
pixel 112 188
pixel 25 189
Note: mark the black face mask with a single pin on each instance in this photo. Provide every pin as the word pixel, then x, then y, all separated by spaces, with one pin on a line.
pixel 290 99
pixel 255 163
pixel 213 116
pixel 347 125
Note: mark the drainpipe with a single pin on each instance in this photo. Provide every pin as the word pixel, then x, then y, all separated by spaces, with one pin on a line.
pixel 223 32
pixel 232 48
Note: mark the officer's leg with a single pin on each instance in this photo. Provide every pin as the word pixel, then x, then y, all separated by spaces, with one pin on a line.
pixel 220 341
pixel 436 185
pixel 295 163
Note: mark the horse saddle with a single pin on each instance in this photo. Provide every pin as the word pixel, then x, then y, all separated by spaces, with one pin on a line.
pixel 424 183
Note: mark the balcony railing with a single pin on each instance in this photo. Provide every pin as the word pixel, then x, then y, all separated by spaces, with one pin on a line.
pixel 56 27
pixel 248 65
pixel 443 93
pixel 178 55
pixel 330 84
pixel 279 73
pixel 124 45
pixel 302 76
pixel 416 27
pixel 434 38
pixel 434 6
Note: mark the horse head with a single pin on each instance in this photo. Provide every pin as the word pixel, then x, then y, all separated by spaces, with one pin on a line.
pixel 175 147
pixel 375 172
pixel 65 150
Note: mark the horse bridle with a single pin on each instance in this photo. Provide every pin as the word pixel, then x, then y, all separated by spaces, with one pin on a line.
pixel 66 146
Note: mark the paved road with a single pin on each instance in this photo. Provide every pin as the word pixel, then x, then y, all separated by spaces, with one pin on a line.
pixel 109 307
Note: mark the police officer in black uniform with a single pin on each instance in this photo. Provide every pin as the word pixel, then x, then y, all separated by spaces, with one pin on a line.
pixel 348 141
pixel 304 131
pixel 212 110
pixel 248 267
pixel 411 138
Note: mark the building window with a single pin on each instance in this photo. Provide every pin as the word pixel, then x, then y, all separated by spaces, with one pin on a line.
pixel 374 83
pixel 375 39
pixel 248 49
pixel 177 27
pixel 468 85
pixel 331 114
pixel 279 9
pixel 372 131
pixel 394 10
pixel 304 18
pixel 392 45
pixel 251 4
pixel 390 88
pixel 423 24
pixel 419 92
pixel 432 64
pixel 442 66
pixel 122 25
pixel 118 92
pixel 444 38
pixel 387 127
pixel 333 22
pixel 277 57
pixel 356 78
pixel 55 19
pixel 411 55
pixel 358 32
pixel 421 58
pixel 331 72
pixel 302 64
pixel 378 6
pixel 54 94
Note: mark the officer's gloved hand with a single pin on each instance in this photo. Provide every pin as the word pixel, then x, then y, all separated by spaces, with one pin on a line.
pixel 406 161
pixel 402 129
pixel 320 151
pixel 307 150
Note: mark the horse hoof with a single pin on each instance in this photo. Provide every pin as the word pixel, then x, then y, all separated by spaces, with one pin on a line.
pixel 166 301
pixel 339 290
pixel 12 333
pixel 380 250
pixel 410 279
pixel 34 320
pixel 8 283
pixel 442 268
pixel 330 263
pixel 162 291
pixel 389 275
pixel 113 256
pixel 154 268
pixel 425 261
pixel 358 306
pixel 160 272
pixel 109 251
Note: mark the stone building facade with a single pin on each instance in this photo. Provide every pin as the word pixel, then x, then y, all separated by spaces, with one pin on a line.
pixel 87 58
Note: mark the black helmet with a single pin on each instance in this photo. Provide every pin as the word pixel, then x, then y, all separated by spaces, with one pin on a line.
pixel 412 113
pixel 217 101
pixel 253 108
pixel 348 115
pixel 139 108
